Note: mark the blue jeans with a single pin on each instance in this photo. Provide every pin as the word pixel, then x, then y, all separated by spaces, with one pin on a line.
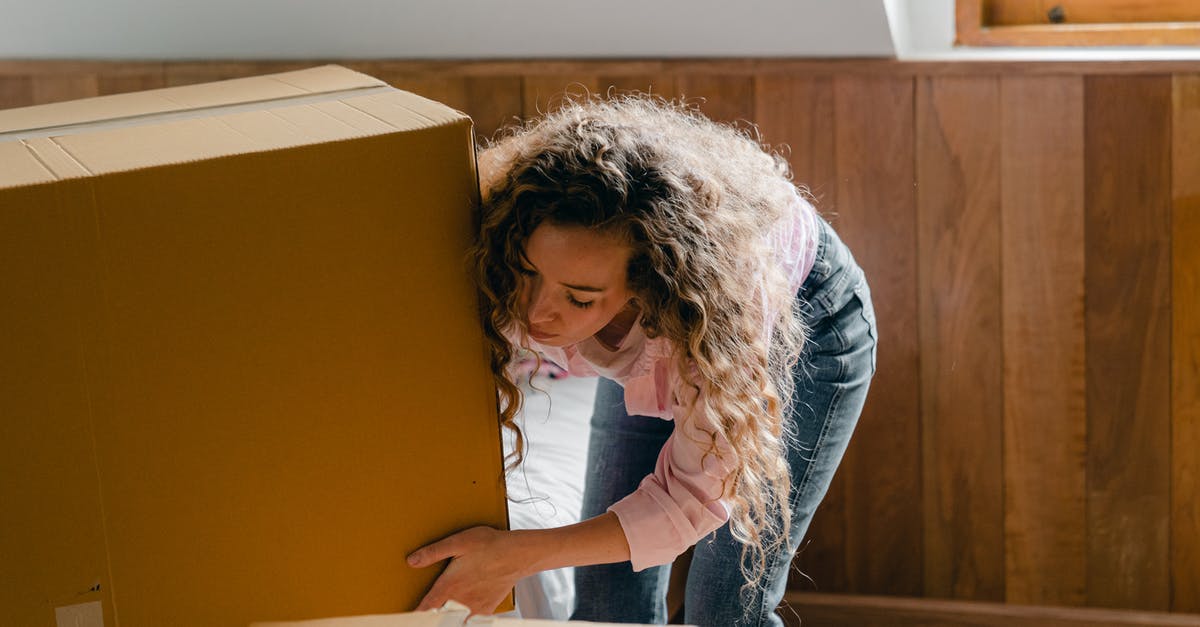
pixel 831 387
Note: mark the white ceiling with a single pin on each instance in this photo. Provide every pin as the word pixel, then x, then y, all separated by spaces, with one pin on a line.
pixel 330 29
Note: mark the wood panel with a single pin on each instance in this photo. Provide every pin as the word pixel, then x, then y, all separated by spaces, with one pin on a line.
pixel 68 87
pixel 133 81
pixel 16 91
pixel 191 72
pixel 876 216
pixel 544 94
pixel 1009 12
pixel 1045 414
pixel 958 248
pixel 845 610
pixel 494 102
pixel 1185 347
pixel 1127 249
pixel 796 116
pixel 720 97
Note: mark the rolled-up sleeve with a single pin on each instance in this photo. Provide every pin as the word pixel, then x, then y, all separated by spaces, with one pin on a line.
pixel 680 502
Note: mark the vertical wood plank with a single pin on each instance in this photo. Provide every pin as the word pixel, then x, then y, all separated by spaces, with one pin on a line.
pixel 545 93
pixel 876 216
pixel 494 102
pixel 795 115
pixel 1045 414
pixel 1185 347
pixel 109 83
pixel 57 88
pixel 958 258
pixel 723 98
pixel 191 72
pixel 1127 145
pixel 15 91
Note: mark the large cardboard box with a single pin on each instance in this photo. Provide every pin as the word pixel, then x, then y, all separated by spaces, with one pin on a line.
pixel 241 372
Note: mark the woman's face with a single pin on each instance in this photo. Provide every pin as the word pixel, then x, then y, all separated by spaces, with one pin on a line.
pixel 574 283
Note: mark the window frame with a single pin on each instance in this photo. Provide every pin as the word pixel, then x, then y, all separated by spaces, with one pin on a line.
pixel 972 29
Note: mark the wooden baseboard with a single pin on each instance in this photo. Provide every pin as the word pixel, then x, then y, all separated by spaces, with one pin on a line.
pixel 818 610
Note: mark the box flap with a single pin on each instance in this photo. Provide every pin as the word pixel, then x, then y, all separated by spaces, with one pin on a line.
pixel 120 133
pixel 21 167
pixel 140 146
pixel 318 80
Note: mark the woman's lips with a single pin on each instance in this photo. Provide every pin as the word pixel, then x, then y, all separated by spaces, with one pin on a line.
pixel 537 335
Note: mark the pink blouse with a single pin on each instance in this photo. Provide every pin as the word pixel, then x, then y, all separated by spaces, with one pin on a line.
pixel 680 502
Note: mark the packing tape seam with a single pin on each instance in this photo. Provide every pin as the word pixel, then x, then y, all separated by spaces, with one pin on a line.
pixel 167 116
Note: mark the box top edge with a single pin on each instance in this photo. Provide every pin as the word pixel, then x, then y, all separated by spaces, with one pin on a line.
pixel 324 79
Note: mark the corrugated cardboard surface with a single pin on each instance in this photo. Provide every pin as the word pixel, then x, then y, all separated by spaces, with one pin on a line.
pixel 241 387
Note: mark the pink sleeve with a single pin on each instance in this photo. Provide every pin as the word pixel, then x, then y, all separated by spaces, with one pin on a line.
pixel 679 503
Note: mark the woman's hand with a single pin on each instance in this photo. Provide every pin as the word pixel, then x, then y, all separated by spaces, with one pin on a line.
pixel 485 564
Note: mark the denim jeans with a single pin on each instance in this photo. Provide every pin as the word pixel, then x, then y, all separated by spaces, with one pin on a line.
pixel 831 387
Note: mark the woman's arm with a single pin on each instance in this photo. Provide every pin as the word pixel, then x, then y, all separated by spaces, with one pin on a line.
pixel 485 563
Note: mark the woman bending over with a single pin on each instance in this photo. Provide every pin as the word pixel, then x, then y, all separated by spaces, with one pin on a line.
pixel 634 239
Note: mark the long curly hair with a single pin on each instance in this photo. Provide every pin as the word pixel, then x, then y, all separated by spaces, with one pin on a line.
pixel 696 201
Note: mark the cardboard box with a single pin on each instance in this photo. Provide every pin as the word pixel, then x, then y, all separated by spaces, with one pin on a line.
pixel 241 371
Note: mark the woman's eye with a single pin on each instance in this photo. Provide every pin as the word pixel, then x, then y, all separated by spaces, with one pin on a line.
pixel 579 303
pixel 526 272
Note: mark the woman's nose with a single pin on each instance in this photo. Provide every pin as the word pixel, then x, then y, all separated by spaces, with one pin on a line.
pixel 540 308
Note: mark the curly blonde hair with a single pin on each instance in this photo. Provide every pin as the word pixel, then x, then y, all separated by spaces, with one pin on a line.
pixel 696 201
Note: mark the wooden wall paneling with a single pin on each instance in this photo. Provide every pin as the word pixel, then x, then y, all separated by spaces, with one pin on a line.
pixel 192 72
pixel 1185 346
pixel 545 93
pixel 56 88
pixel 958 267
pixel 494 102
pixel 119 83
pixel 1045 414
pixel 720 97
pixel 15 91
pixel 1128 182
pixel 827 610
pixel 795 116
pixel 875 214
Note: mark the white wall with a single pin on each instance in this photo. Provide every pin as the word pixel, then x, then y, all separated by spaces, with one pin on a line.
pixel 280 29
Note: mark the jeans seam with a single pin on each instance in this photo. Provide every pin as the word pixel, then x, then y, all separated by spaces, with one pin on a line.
pixel 834 405
pixel 762 592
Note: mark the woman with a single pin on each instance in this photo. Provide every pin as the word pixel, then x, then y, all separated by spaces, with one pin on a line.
pixel 634 239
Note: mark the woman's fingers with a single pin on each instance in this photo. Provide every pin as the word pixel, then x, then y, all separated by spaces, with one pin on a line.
pixel 450 546
pixel 433 553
